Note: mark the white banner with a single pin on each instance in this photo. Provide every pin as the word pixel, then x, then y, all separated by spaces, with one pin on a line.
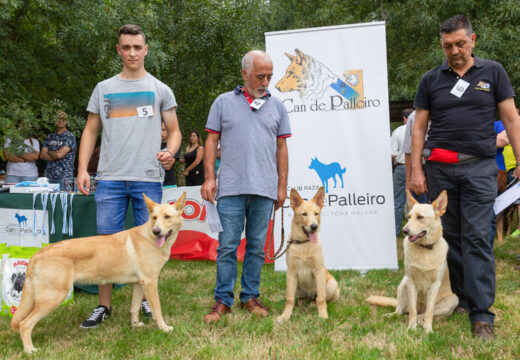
pixel 23 227
pixel 333 82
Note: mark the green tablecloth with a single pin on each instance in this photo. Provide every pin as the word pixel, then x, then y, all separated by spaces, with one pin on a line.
pixel 83 217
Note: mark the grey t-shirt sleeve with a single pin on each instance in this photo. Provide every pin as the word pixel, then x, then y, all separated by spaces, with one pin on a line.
pixel 168 99
pixel 407 141
pixel 285 127
pixel 93 104
pixel 215 113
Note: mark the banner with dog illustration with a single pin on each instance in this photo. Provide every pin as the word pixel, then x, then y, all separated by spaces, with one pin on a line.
pixel 333 83
pixel 23 227
pixel 195 240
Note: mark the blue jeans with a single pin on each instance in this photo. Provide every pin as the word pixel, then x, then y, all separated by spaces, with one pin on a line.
pixel 399 196
pixel 112 199
pixel 233 210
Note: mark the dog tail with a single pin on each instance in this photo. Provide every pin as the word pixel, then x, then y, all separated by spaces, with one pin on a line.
pixel 382 301
pixel 25 306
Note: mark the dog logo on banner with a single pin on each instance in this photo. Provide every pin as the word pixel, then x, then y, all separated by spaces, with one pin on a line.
pixel 327 171
pixel 311 79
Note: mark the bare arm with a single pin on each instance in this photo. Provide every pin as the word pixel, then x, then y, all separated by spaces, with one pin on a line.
pixel 408 169
pixel 417 180
pixel 282 166
pixel 54 155
pixel 173 144
pixel 511 121
pixel 209 188
pixel 10 157
pixel 86 148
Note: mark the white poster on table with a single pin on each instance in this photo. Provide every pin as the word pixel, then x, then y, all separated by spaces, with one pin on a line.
pixel 333 82
pixel 23 227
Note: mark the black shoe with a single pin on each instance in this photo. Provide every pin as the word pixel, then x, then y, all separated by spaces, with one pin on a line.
pixel 146 309
pixel 98 315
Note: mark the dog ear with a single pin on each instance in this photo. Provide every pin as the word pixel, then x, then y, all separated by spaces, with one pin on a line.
pixel 410 201
pixel 179 204
pixel 440 204
pixel 290 56
pixel 319 198
pixel 149 203
pixel 296 199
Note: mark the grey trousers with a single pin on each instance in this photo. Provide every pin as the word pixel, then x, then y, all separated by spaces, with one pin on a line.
pixel 472 189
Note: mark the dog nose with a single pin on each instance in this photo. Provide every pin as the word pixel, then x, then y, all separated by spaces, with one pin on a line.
pixel 156 231
pixel 405 230
pixel 314 227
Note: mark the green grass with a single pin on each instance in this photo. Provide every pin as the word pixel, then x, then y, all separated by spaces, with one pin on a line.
pixel 354 330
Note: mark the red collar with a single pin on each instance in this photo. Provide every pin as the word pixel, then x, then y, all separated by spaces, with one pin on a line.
pixel 248 98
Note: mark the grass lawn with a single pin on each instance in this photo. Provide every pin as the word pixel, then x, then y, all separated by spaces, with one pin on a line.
pixel 354 330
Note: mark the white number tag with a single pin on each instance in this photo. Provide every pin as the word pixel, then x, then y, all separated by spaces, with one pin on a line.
pixel 145 111
pixel 459 88
pixel 257 103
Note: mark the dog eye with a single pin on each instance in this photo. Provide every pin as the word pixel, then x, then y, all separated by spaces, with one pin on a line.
pixel 167 216
pixel 154 217
pixel 304 214
pixel 419 217
pixel 315 214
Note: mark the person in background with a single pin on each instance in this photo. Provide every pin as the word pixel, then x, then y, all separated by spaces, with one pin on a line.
pixel 22 167
pixel 399 176
pixel 194 170
pixel 59 150
pixel 170 178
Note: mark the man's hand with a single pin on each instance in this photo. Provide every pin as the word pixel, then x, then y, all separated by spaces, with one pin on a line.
pixel 186 172
pixel 166 159
pixel 208 190
pixel 83 182
pixel 282 195
pixel 418 182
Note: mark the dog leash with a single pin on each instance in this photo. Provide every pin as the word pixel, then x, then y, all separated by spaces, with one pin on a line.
pixel 277 255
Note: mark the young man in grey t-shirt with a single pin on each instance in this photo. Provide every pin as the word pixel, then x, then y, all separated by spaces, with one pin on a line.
pixel 129 107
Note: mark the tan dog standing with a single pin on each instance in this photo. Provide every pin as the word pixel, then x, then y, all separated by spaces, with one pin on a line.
pixel 425 288
pixel 134 256
pixel 307 276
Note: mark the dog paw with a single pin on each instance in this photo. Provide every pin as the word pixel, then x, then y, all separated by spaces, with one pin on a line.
pixel 428 328
pixel 166 328
pixel 392 314
pixel 323 314
pixel 137 324
pixel 283 318
pixel 412 325
pixel 31 350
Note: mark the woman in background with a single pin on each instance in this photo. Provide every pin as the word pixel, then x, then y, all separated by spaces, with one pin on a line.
pixel 23 167
pixel 194 170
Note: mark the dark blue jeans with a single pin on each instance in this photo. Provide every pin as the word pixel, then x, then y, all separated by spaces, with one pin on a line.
pixel 472 189
pixel 233 211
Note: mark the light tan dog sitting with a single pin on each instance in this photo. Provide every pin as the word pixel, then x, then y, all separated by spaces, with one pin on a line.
pixel 425 288
pixel 134 256
pixel 307 276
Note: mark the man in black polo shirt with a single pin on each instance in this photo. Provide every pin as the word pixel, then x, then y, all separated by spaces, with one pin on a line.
pixel 461 97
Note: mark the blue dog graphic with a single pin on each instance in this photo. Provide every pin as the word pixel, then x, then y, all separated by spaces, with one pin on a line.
pixel 22 220
pixel 327 171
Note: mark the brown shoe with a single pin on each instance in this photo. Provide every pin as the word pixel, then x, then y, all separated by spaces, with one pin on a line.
pixel 217 311
pixel 483 330
pixel 255 306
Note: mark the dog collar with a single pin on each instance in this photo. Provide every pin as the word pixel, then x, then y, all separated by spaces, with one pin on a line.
pixel 429 247
pixel 292 241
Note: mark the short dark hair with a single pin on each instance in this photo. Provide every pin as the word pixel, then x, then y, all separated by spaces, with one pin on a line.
pixel 407 112
pixel 130 29
pixel 455 23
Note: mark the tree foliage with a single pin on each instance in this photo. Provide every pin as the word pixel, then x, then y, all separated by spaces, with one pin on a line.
pixel 60 49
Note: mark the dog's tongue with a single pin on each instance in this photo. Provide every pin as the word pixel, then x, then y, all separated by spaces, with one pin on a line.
pixel 160 241
pixel 313 237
